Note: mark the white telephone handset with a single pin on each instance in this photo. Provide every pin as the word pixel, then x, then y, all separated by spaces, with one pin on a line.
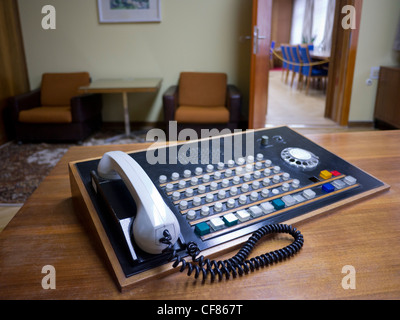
pixel 153 215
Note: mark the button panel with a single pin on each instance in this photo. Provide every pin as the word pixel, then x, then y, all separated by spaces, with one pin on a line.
pixel 224 196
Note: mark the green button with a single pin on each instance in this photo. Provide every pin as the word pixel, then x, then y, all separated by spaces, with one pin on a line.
pixel 278 204
pixel 202 229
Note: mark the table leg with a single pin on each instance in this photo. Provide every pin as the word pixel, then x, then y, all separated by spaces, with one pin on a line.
pixel 127 133
pixel 126 114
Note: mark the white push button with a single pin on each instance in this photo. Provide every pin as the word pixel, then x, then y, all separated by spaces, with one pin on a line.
pixel 289 200
pixel 201 189
pixel 236 180
pixel 233 191
pixel 228 172
pixel 242 199
pixel 225 183
pixel 205 211
pixel 213 186
pixel 255 211
pixel 254 196
pixel 175 176
pixel 267 207
pixel 217 224
pixel 230 203
pixel 240 161
pixel 176 195
pixel 244 187
pixel 187 173
pixel 350 180
pixel 218 206
pixel 191 215
pixel 309 194
pixel 183 205
pixel 162 179
pixel 189 192
pixel 196 201
pixel 264 193
pixel 295 183
pixel 255 185
pixel 243 215
pixel 182 184
pixel 209 197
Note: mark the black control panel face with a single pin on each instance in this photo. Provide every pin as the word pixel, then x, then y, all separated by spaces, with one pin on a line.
pixel 224 188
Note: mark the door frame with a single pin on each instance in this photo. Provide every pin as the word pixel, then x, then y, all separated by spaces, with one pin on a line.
pixel 341 69
pixel 342 65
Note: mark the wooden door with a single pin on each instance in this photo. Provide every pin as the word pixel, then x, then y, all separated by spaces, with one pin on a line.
pixel 259 73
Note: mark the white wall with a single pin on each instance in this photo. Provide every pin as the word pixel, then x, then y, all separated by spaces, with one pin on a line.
pixel 379 21
pixel 192 36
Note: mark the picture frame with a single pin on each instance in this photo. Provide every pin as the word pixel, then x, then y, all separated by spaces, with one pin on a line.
pixel 129 11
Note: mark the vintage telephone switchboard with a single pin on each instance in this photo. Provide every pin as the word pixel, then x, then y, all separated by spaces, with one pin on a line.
pixel 215 203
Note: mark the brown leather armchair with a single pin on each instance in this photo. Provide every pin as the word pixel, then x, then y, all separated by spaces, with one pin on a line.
pixel 203 100
pixel 55 112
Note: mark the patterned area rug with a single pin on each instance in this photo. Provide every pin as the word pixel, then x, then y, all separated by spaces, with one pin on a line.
pixel 23 167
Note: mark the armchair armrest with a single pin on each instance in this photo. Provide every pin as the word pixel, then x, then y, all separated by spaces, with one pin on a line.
pixel 170 103
pixel 233 102
pixel 85 107
pixel 23 101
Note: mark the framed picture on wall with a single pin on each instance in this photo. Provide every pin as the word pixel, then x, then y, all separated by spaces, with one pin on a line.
pixel 122 11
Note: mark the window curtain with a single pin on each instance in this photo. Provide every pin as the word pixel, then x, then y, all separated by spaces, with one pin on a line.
pixel 297 21
pixel 326 44
pixel 306 35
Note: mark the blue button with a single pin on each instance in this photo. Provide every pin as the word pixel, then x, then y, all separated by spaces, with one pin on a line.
pixel 328 188
pixel 202 229
pixel 278 204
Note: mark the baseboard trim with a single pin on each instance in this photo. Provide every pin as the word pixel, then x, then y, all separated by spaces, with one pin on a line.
pixel 364 124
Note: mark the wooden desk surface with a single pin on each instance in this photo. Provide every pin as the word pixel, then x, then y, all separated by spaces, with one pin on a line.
pixel 122 85
pixel 365 235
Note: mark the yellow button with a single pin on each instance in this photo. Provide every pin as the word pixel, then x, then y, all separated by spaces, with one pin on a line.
pixel 325 174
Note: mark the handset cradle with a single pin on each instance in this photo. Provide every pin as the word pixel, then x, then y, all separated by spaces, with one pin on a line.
pixel 153 216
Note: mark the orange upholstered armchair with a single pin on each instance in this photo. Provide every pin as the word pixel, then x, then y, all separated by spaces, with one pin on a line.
pixel 203 100
pixel 55 112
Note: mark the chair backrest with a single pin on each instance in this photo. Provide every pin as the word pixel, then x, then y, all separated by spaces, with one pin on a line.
pixel 305 57
pixel 285 64
pixel 58 88
pixel 295 57
pixel 202 89
pixel 272 46
pixel 289 57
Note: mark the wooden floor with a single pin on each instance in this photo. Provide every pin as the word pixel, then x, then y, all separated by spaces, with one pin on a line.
pixel 286 106
pixel 304 113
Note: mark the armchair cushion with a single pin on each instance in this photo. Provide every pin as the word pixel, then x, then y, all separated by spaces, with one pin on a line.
pixel 194 114
pixel 59 114
pixel 58 88
pixel 202 89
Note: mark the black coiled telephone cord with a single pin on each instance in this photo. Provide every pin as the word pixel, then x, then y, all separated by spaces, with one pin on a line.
pixel 237 265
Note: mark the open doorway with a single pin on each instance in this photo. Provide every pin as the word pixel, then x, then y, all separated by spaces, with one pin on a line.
pixel 287 104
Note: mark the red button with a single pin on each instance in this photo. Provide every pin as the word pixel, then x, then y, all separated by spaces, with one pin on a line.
pixel 335 173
